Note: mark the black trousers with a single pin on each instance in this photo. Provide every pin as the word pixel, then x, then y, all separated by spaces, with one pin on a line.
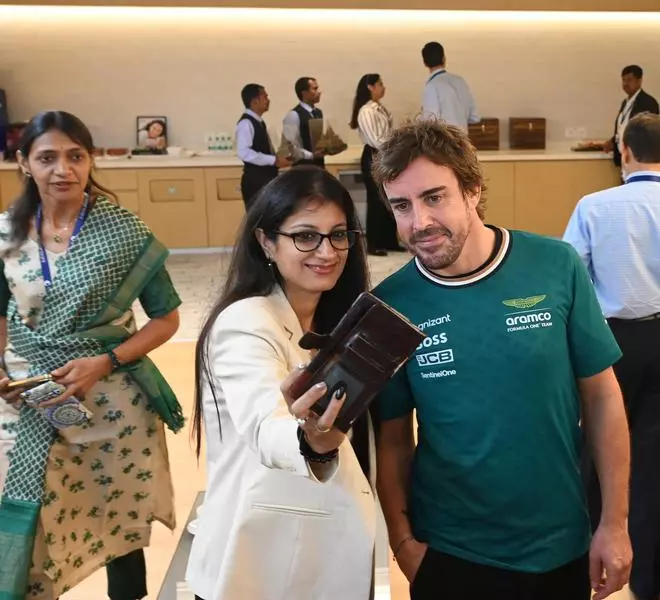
pixel 381 226
pixel 445 577
pixel 127 577
pixel 638 373
pixel 253 179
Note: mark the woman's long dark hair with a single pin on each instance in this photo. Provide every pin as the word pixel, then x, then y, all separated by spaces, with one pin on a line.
pixel 250 275
pixel 25 206
pixel 362 95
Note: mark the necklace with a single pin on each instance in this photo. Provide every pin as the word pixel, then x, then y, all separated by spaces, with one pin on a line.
pixel 57 238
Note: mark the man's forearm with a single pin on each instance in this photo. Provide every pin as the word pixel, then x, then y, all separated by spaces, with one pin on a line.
pixel 394 459
pixel 609 440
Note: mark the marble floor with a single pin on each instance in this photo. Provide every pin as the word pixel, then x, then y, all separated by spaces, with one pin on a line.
pixel 198 278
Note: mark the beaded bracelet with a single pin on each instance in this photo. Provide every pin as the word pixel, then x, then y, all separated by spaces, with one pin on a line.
pixel 312 456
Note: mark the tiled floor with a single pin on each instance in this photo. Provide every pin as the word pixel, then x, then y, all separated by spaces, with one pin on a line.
pixel 198 279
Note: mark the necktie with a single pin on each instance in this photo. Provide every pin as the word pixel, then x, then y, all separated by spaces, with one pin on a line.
pixel 316 113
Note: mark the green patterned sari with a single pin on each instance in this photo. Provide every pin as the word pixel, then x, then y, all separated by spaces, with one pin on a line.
pixel 102 274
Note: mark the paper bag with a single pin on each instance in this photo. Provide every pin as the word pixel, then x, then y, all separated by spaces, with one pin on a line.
pixel 286 149
pixel 330 142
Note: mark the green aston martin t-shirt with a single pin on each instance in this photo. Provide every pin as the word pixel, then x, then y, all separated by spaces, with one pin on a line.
pixel 495 479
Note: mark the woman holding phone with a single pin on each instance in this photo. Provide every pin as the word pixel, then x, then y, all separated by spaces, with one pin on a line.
pixel 77 498
pixel 289 512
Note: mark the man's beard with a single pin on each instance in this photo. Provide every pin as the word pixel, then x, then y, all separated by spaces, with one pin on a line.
pixel 444 256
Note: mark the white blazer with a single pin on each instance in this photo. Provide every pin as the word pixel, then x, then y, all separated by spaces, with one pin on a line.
pixel 269 530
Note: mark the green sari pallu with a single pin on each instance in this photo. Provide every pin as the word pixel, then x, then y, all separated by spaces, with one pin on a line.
pixel 97 281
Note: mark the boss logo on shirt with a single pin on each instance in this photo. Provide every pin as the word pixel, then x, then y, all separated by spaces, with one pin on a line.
pixel 527 316
pixel 429 355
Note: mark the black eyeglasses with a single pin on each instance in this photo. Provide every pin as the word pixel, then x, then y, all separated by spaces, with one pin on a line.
pixel 308 241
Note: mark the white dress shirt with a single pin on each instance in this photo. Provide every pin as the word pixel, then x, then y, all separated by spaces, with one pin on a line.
pixel 291 132
pixel 374 124
pixel 616 232
pixel 447 97
pixel 245 139
pixel 624 115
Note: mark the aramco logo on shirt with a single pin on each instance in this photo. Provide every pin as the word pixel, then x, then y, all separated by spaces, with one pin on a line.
pixel 527 317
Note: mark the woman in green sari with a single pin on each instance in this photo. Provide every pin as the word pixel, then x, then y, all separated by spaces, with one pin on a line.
pixel 73 263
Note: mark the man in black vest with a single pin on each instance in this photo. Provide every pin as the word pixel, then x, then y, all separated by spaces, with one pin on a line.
pixel 254 148
pixel 638 101
pixel 296 123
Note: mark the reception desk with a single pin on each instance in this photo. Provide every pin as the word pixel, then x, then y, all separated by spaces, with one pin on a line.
pixel 196 202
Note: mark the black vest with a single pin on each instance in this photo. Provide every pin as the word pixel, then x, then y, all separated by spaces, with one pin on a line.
pixel 305 135
pixel 260 143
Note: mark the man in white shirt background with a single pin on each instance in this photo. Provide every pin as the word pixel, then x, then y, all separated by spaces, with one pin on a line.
pixel 616 232
pixel 636 102
pixel 253 144
pixel 296 128
pixel 446 96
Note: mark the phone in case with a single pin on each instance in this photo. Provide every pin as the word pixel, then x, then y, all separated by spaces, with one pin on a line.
pixel 367 347
pixel 30 382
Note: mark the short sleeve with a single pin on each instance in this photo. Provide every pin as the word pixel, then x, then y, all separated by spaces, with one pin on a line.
pixel 5 294
pixel 592 345
pixel 396 399
pixel 159 297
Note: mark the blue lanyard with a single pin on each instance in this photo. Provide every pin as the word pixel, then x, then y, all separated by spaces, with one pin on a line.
pixel 634 178
pixel 436 74
pixel 43 257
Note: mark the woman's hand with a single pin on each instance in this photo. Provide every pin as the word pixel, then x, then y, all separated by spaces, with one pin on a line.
pixel 320 433
pixel 9 396
pixel 79 376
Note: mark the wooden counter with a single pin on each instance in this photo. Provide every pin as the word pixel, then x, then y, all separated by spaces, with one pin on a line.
pixel 196 202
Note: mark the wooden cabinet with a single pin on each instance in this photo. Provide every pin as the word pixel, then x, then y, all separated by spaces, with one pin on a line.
pixel 124 184
pixel 544 196
pixel 499 180
pixel 10 187
pixel 224 205
pixel 546 192
pixel 173 203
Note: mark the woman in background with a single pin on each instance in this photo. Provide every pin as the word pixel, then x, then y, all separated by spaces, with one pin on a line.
pixel 72 262
pixel 374 124
pixel 288 511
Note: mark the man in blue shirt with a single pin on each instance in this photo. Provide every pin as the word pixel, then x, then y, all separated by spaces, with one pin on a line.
pixel 616 232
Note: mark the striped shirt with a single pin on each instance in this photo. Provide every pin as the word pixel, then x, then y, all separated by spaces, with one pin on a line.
pixel 447 97
pixel 616 232
pixel 374 124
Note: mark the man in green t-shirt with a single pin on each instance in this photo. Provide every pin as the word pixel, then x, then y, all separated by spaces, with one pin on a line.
pixel 490 504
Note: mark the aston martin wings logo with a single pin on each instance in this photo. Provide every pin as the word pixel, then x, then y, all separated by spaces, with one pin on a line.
pixel 524 303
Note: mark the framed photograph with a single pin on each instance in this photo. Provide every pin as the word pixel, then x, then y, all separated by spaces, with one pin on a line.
pixel 152 133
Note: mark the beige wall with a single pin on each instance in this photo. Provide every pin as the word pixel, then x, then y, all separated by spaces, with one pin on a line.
pixel 109 65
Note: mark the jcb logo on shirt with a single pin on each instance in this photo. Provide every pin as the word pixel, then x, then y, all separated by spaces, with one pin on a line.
pixel 432 359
